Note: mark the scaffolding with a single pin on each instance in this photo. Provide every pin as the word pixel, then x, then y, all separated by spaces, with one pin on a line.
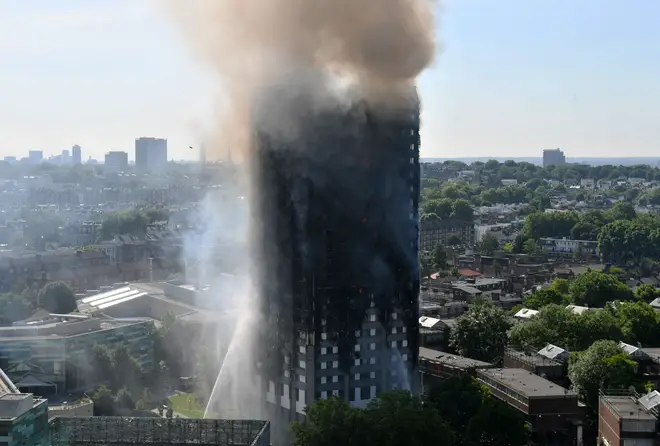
pixel 124 431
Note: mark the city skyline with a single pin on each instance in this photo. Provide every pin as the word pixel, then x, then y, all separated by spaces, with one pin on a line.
pixel 511 80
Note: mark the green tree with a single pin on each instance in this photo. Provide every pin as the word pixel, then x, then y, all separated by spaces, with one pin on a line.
pixel 57 297
pixel 647 293
pixel 126 369
pixel 440 257
pixel 543 297
pixel 604 365
pixel 104 402
pixel 496 424
pixel 392 419
pixel 481 333
pixel 124 400
pixel 622 210
pixel 595 289
pixel 462 211
pixel 454 240
pixel 488 245
pixel 638 322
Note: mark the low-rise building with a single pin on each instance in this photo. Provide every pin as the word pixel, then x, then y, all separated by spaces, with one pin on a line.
pixel 23 417
pixel 435 365
pixel 52 355
pixel 552 412
pixel 623 420
pixel 437 233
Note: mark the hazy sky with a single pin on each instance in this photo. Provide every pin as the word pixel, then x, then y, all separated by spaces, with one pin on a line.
pixel 513 77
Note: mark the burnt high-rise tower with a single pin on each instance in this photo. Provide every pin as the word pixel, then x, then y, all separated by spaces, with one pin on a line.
pixel 337 238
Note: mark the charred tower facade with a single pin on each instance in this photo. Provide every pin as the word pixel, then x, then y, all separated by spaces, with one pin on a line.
pixel 337 236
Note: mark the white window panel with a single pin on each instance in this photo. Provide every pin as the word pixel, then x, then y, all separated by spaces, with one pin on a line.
pixel 357 347
pixel 324 394
pixel 302 349
pixel 393 344
pixel 335 349
pixel 372 360
pixel 404 343
pixel 372 346
pixel 357 377
pixel 358 333
pixel 302 364
pixel 323 366
pixel 372 392
pixel 324 380
pixel 324 336
pixel 393 330
pixel 302 378
pixel 404 357
pixel 404 329
pixel 372 375
pixel 335 364
pixel 372 332
pixel 335 393
pixel 394 316
pixel 324 351
pixel 357 361
pixel 372 318
pixel 335 379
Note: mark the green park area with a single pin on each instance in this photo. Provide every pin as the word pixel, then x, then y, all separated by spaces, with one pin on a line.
pixel 185 404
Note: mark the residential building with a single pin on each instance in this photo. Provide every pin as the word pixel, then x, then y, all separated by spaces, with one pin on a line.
pixel 565 247
pixel 150 154
pixel 76 154
pixel 437 233
pixel 587 183
pixel 535 362
pixel 626 419
pixel 342 273
pixel 116 162
pixel 553 157
pixel 509 182
pixel 51 354
pixel 553 414
pixel 23 417
pixel 435 365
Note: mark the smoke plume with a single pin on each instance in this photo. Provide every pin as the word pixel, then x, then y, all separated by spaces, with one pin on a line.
pixel 378 45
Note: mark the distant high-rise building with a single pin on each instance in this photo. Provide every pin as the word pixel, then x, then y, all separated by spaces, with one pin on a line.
pixel 66 157
pixel 150 154
pixel 36 156
pixel 116 162
pixel 553 157
pixel 76 154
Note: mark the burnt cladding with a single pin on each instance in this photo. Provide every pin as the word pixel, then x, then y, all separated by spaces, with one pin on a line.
pixel 337 235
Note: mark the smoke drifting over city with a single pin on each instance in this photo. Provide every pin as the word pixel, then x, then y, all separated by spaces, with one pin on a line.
pixel 380 45
pixel 305 83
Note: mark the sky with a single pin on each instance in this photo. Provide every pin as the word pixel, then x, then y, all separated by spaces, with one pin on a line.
pixel 511 78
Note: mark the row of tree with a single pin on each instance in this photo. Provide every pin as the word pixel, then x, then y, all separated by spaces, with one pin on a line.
pixel 456 412
pixel 21 302
pixel 133 222
pixel 525 171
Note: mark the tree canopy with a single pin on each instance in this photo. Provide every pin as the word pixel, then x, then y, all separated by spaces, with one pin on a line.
pixel 481 333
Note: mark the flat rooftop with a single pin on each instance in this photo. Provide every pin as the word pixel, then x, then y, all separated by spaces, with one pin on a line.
pixel 457 361
pixel 525 382
pixel 628 408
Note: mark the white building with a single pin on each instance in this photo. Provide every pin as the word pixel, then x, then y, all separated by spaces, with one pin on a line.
pixel 568 247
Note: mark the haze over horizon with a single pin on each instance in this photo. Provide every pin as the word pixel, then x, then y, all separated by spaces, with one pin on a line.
pixel 513 78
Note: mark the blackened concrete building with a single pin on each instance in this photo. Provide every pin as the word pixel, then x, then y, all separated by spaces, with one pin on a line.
pixel 338 242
